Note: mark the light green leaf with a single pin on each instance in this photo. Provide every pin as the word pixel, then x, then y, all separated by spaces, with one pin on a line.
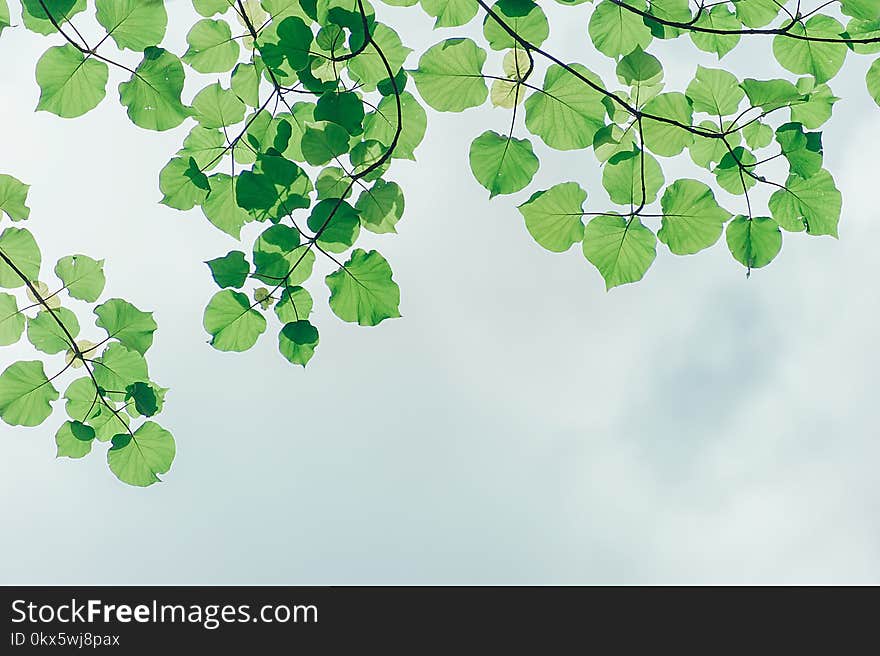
pixel 13 198
pixel 754 242
pixel 211 47
pixel 622 249
pixel 363 291
pixel 813 203
pixel 502 164
pixel 74 439
pixel 555 217
pixel 18 245
pixel 138 460
pixel 819 59
pixel 124 322
pixel 232 323
pixel 82 276
pixel 152 95
pixel 70 84
pixel 133 24
pixel 616 31
pixel 692 218
pixel 26 394
pixel 47 335
pixel 449 77
pixel 12 321
pixel 568 113
pixel 297 342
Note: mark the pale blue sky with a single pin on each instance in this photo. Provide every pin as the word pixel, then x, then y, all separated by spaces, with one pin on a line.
pixel 518 425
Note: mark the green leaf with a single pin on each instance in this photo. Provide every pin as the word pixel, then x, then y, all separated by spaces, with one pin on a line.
pixel 450 76
pixel 124 322
pixel 363 290
pixel 139 459
pixel 37 20
pixel 324 142
pixel 345 109
pixel 381 124
pixel 133 24
pixel 523 16
pixel 70 84
pixel 297 342
pixel 144 396
pixel 231 270
pixel 232 323
pixel 117 368
pixel 664 138
pixel 74 439
pixel 222 207
pixel 13 198
pixel 295 305
pixel 813 203
pixel 338 223
pixel 216 107
pixel 754 242
pixel 26 394
pixel 82 276
pixel 4 16
pixel 692 218
pixel 715 92
pixel 45 333
pixel 502 164
pixel 872 78
pixel 819 59
pixel 723 20
pixel 616 31
pixel 211 47
pixel 729 173
pixel 280 259
pixel 381 207
pixel 555 217
pixel 622 178
pixel 152 95
pixel 771 94
pixel 568 113
pixel 18 245
pixel 181 184
pixel 450 13
pixel 622 249
pixel 12 321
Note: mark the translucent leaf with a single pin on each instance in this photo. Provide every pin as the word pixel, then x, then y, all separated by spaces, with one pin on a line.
pixel 19 246
pixel 555 217
pixel 74 439
pixel 502 164
pixel 231 270
pixel 124 322
pixel 82 276
pixel 297 342
pixel 622 249
pixel 754 242
pixel 363 290
pixel 12 321
pixel 450 76
pixel 26 394
pixel 152 95
pixel 70 84
pixel 139 459
pixel 692 218
pixel 232 323
pixel 48 331
pixel 133 24
pixel 211 47
pixel 13 198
